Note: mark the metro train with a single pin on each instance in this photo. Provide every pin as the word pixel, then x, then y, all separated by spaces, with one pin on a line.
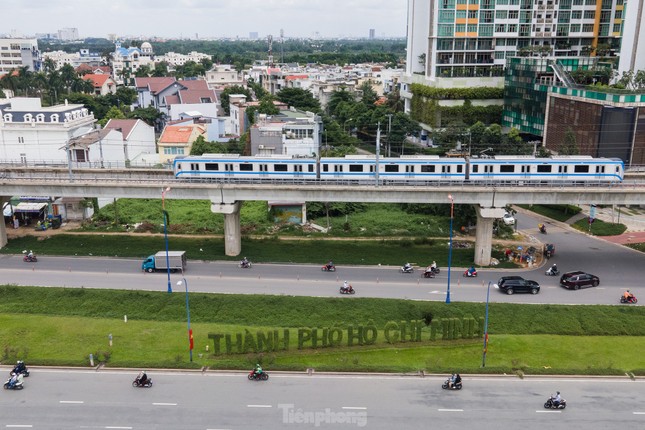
pixel 406 169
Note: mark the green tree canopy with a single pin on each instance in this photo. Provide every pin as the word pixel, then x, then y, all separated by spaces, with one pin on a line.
pixel 299 99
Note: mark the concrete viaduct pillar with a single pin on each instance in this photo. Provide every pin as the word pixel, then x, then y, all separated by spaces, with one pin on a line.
pixel 3 227
pixel 484 234
pixel 232 230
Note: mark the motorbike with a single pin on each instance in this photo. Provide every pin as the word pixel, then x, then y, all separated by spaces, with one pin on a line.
pixel 245 264
pixel 137 383
pixel 328 268
pixel 17 385
pixel 428 274
pixel 542 228
pixel 447 385
pixel 551 272
pixel 405 269
pixel 631 299
pixel 258 376
pixel 468 274
pixel 20 370
pixel 550 405
pixel 348 290
pixel 30 259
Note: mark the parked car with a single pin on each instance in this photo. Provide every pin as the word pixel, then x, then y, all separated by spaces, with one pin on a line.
pixel 508 219
pixel 578 279
pixel 517 284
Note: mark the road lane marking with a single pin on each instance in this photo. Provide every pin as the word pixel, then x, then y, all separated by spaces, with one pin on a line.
pixel 548 412
pixel 23 426
pixel 450 410
pixel 73 402
pixel 164 404
pixel 113 427
pixel 259 406
pixel 357 408
pixel 638 413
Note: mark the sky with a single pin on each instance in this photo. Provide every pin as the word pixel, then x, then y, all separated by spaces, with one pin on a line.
pixel 207 18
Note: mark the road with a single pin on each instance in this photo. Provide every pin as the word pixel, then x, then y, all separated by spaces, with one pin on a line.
pixel 81 399
pixel 618 268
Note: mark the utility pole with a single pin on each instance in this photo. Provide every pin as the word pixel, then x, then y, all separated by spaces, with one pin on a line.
pixel 378 150
pixel 389 130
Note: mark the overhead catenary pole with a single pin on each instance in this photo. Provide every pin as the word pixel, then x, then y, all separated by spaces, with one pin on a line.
pixel 378 150
pixel 389 130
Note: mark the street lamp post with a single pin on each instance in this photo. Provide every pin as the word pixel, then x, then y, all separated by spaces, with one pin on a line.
pixel 165 232
pixel 190 331
pixel 452 205
pixel 486 328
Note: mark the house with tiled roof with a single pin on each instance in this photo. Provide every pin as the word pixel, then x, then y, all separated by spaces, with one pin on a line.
pixel 103 84
pixel 177 140
pixel 138 140
pixel 126 61
pixel 195 96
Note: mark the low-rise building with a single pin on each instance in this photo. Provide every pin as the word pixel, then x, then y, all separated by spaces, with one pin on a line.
pixel 16 53
pixel 31 133
pixel 103 84
pixel 177 140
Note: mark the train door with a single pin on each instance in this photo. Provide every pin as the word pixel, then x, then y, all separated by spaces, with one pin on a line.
pixel 264 170
pixel 229 170
pixel 409 171
pixel 600 173
pixel 297 170
pixel 338 171
pixel 445 171
pixel 563 172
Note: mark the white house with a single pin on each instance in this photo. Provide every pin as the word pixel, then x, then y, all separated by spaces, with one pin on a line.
pixel 31 133
pixel 138 144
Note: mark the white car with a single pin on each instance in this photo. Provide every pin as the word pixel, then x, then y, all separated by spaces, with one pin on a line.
pixel 508 219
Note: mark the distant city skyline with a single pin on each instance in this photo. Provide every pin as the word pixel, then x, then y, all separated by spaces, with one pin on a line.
pixel 207 18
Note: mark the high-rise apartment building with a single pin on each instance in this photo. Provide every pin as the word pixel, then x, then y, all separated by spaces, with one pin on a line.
pixel 16 53
pixel 372 33
pixel 469 39
pixel 68 34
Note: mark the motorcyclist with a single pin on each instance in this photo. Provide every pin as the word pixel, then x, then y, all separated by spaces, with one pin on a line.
pixel 556 399
pixel 245 262
pixel 628 296
pixel 554 269
pixel 542 228
pixel 258 369
pixel 142 377
pixel 472 270
pixel 407 266
pixel 20 367
pixel 346 286
pixel 330 265
pixel 13 380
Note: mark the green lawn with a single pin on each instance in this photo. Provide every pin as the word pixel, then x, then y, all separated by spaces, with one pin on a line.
pixel 63 326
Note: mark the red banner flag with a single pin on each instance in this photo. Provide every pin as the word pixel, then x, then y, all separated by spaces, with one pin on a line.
pixel 190 337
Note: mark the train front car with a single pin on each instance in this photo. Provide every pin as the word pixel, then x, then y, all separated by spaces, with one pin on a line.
pixel 563 170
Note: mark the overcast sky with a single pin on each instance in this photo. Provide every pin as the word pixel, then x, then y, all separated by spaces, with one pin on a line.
pixel 207 18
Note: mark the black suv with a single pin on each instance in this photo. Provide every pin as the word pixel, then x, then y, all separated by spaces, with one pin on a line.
pixel 577 280
pixel 517 284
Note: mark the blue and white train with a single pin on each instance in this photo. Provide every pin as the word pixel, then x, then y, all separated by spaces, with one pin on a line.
pixel 407 169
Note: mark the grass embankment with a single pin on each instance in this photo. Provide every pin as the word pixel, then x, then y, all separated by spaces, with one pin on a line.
pixel 63 326
pixel 343 252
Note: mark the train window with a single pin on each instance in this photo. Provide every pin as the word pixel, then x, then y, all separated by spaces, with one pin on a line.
pixel 581 169
pixel 427 169
pixel 600 169
pixel 355 167
pixel 563 169
pixel 246 167
pixel 211 166
pixel 475 168
pixel 391 168
pixel 544 168
pixel 507 168
pixel 280 168
pixel 460 169
pixel 325 167
pixel 371 168
pixel 310 168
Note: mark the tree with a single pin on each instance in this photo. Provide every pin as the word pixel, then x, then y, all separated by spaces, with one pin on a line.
pixel 67 76
pixel 299 99
pixel 369 96
pixel 160 70
pixel 149 115
pixel 207 63
pixel 113 113
pixel 143 71
pixel 569 145
pixel 336 98
pixel 256 88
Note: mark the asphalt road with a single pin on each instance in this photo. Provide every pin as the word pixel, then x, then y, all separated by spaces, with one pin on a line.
pixel 77 399
pixel 618 267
